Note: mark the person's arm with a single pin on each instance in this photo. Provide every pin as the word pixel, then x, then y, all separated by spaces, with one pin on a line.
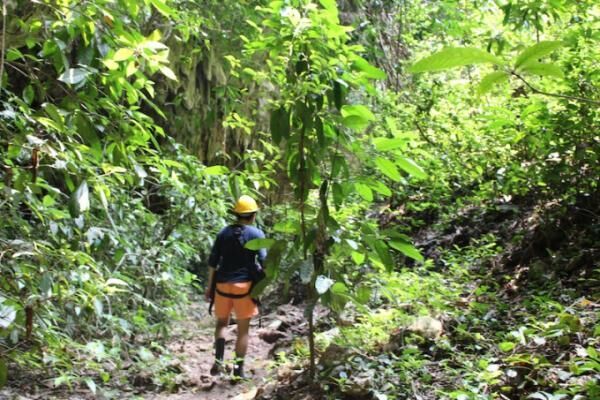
pixel 213 262
pixel 208 292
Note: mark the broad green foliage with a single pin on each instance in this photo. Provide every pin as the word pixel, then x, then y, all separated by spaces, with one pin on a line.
pixel 526 62
pixel 314 68
pixel 102 213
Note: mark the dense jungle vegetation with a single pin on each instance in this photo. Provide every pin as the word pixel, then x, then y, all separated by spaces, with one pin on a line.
pixel 427 173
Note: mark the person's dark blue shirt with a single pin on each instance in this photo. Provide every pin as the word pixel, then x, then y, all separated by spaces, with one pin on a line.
pixel 232 260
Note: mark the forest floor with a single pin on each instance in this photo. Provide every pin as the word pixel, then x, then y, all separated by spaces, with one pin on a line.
pixel 191 350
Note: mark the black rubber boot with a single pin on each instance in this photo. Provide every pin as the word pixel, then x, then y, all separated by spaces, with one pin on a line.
pixel 218 366
pixel 238 370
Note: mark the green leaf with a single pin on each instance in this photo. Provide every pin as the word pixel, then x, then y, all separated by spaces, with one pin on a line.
pixel 280 124
pixel 329 5
pixel 381 188
pixel 535 52
pixel 506 346
pixel 364 191
pixel 163 8
pixel 358 110
pixel 356 116
pixel 491 79
pixel 73 76
pixel 388 168
pixel 451 57
pixel 257 244
pixel 537 68
pixel 385 144
pixel 384 254
pixel 216 170
pixel 288 226
pixel 411 167
pixel 168 72
pixel 28 94
pixel 122 54
pixel 407 249
pixel 357 257
pixel 369 70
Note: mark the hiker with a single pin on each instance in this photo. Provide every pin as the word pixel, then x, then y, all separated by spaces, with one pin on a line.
pixel 232 270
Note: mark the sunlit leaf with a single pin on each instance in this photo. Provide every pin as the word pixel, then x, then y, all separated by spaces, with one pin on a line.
pixel 491 79
pixel 535 52
pixel 411 167
pixel 364 191
pixel 168 72
pixel 385 144
pixel 367 69
pixel 388 168
pixel 73 76
pixel 80 200
pixel 452 57
pixel 537 68
pixel 257 244
pixel 122 54
pixel 216 170
pixel 323 283
pixel 407 249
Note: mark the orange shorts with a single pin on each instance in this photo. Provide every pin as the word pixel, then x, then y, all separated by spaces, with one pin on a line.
pixel 244 308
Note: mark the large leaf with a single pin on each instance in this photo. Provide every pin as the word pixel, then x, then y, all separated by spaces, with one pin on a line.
pixel 537 68
pixel 537 51
pixel 123 54
pixel 451 57
pixel 364 191
pixel 356 116
pixel 7 316
pixel 323 283
pixel 491 79
pixel 168 72
pixel 407 249
pixel 367 69
pixel 80 200
pixel 384 254
pixel 280 124
pixel 257 244
pixel 385 144
pixel 411 167
pixel 388 168
pixel 73 76
pixel 216 170
pixel 162 7
pixel 380 188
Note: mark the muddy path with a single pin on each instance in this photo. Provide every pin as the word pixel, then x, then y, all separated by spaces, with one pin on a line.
pixel 192 343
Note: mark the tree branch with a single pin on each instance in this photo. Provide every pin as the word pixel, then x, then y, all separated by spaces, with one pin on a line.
pixel 557 95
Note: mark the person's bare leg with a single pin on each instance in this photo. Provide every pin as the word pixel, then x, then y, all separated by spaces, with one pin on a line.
pixel 241 346
pixel 220 328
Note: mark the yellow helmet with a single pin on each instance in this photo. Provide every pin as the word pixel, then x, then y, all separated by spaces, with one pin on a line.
pixel 245 205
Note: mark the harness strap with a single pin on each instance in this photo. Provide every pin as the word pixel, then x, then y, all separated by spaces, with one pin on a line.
pixel 234 296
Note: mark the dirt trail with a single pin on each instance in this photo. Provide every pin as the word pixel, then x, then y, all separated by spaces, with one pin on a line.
pixel 193 344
